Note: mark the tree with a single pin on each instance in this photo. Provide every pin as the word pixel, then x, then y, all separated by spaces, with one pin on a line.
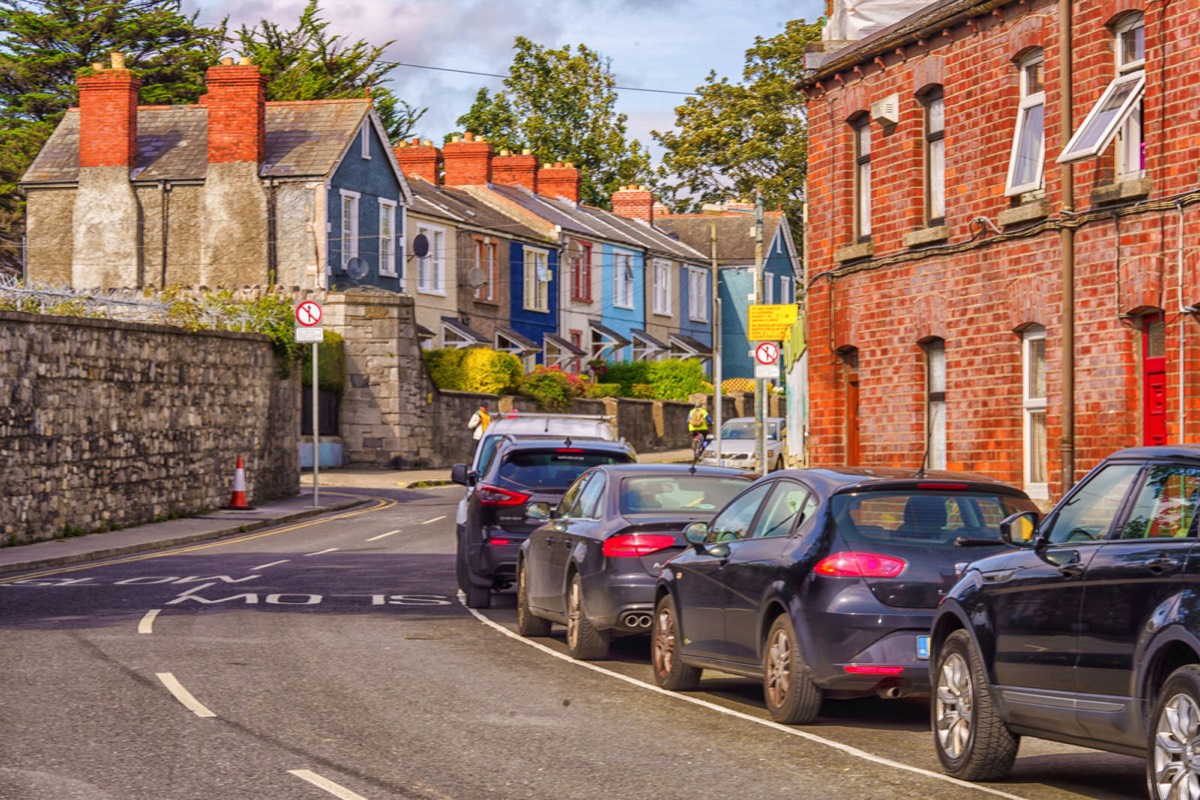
pixel 561 105
pixel 306 63
pixel 732 138
pixel 43 46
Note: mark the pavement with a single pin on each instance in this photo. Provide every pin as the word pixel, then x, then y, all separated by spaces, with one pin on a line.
pixel 230 522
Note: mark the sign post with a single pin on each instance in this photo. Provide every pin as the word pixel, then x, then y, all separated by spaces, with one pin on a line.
pixel 766 368
pixel 310 329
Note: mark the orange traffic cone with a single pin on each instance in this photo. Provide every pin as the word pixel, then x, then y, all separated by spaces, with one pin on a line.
pixel 239 486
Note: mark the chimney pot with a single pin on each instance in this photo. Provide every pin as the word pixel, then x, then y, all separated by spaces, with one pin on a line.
pixel 227 61
pixel 526 151
pixel 98 67
pixel 118 60
pixel 245 61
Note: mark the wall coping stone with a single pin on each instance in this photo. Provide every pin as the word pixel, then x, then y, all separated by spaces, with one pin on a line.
pixel 1121 190
pixel 1026 212
pixel 854 252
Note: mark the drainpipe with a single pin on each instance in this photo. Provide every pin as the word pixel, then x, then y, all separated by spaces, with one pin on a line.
pixel 1184 310
pixel 272 247
pixel 718 367
pixel 164 191
pixel 1067 251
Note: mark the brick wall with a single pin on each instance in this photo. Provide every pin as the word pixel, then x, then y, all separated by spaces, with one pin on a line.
pixel 467 161
pixel 1000 269
pixel 111 424
pixel 108 118
pixel 236 101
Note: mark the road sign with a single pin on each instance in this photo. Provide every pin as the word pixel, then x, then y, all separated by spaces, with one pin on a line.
pixel 770 323
pixel 766 372
pixel 307 335
pixel 766 353
pixel 308 314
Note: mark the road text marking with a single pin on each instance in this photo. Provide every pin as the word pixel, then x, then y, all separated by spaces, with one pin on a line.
pixel 272 564
pixel 183 695
pixel 435 519
pixel 812 737
pixel 324 783
pixel 382 535
pixel 321 552
pixel 147 623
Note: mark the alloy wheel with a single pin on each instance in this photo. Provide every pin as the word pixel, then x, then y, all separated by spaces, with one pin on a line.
pixel 574 610
pixel 1177 750
pixel 953 705
pixel 664 641
pixel 780 662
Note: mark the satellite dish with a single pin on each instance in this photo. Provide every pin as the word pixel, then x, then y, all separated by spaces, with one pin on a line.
pixel 357 268
pixel 420 245
pixel 476 277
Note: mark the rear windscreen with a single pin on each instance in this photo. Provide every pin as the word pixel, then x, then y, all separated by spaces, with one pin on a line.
pixel 688 493
pixel 922 517
pixel 554 470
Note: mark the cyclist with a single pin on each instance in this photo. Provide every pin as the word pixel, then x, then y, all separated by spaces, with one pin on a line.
pixel 699 422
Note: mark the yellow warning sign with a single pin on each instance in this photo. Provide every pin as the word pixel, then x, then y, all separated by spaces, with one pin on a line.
pixel 770 323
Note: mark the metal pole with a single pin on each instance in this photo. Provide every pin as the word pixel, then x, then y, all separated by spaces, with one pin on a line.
pixel 718 373
pixel 760 386
pixel 316 432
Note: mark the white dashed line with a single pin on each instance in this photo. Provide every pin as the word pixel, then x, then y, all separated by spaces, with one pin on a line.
pixel 272 564
pixel 435 519
pixel 147 623
pixel 324 783
pixel 382 535
pixel 321 552
pixel 812 737
pixel 183 695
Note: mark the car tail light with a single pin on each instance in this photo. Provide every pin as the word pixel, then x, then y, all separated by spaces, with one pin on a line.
pixel 872 669
pixel 860 565
pixel 569 450
pixel 498 542
pixel 943 487
pixel 632 545
pixel 495 496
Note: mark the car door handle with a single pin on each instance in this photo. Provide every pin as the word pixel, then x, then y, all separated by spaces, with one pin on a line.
pixel 1071 569
pixel 1000 576
pixel 1160 566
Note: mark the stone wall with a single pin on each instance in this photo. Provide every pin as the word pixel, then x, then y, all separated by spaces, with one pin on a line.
pixel 109 424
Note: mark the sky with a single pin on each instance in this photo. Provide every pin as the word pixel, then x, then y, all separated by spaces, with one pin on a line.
pixel 667 45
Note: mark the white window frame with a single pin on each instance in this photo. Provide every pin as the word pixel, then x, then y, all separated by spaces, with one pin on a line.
pixel 698 301
pixel 785 290
pixel 1101 123
pixel 861 129
pixel 935 156
pixel 768 288
pixel 350 212
pixel 1031 407
pixel 662 287
pixel 487 259
pixel 935 404
pixel 365 143
pixel 1030 100
pixel 537 280
pixel 1131 135
pixel 623 280
pixel 431 270
pixel 387 238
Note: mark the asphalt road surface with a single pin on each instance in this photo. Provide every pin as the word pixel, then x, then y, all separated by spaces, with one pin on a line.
pixel 331 658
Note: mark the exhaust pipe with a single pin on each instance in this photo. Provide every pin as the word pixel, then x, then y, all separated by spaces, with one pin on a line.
pixel 637 620
pixel 889 691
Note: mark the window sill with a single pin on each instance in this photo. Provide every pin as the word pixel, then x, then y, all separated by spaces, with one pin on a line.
pixel 583 300
pixel 536 310
pixel 487 301
pixel 854 252
pixel 932 235
pixel 1122 190
pixel 662 313
pixel 430 291
pixel 1026 212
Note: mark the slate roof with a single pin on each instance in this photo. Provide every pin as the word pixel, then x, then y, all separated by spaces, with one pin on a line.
pixel 304 139
pixel 462 208
pixel 735 237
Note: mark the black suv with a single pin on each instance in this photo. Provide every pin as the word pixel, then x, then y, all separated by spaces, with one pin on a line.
pixel 1089 634
pixel 522 471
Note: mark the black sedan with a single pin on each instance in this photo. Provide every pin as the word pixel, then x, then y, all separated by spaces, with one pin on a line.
pixel 592 566
pixel 823 582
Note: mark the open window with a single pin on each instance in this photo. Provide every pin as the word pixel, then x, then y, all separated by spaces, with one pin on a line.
pixel 1029 139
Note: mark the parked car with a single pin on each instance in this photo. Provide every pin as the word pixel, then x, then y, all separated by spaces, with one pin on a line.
pixel 593 563
pixel 496 519
pixel 1088 634
pixel 740 448
pixel 823 582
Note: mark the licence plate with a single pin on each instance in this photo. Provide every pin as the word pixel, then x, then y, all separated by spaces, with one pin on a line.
pixel 923 648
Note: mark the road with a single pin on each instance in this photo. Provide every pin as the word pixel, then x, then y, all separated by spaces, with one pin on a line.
pixel 332 658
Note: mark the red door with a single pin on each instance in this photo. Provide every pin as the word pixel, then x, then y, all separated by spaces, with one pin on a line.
pixel 1154 379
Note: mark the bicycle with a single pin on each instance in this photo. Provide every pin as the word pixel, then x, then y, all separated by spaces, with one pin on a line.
pixel 700 442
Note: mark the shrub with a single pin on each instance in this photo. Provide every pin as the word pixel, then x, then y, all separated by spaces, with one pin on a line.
pixel 677 379
pixel 605 390
pixel 477 369
pixel 645 391
pixel 553 389
pixel 626 374
pixel 331 363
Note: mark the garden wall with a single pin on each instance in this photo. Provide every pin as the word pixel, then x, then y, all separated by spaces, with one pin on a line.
pixel 107 424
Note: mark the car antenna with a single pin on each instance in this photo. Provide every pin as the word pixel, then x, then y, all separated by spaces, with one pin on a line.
pixel 924 458
pixel 567 441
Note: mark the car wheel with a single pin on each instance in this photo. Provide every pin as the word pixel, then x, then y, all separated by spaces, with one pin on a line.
pixel 527 623
pixel 669 670
pixel 792 698
pixel 584 642
pixel 972 742
pixel 1171 769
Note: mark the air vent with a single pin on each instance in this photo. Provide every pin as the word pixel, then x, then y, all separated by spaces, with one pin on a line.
pixel 886 111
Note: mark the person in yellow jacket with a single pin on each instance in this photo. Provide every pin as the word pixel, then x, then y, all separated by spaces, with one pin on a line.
pixel 698 425
pixel 479 421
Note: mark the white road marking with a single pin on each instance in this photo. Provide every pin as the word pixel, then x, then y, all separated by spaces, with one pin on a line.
pixel 147 623
pixel 272 564
pixel 382 535
pixel 321 552
pixel 183 695
pixel 812 737
pixel 435 519
pixel 324 783
pixel 193 590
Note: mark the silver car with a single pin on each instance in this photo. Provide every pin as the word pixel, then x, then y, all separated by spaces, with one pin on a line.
pixel 739 448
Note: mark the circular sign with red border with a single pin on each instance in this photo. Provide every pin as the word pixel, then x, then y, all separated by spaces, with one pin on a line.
pixel 766 353
pixel 308 314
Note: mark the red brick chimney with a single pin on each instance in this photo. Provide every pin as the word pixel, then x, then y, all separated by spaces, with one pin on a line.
pixel 108 103
pixel 510 169
pixel 237 115
pixel 419 160
pixel 560 180
pixel 467 161
pixel 634 202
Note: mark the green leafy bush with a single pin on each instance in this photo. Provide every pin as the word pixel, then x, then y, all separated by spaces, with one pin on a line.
pixel 676 379
pixel 553 389
pixel 626 374
pixel 331 363
pixel 477 369
pixel 605 390
pixel 645 391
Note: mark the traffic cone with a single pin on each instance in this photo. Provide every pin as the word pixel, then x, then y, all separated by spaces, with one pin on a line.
pixel 238 501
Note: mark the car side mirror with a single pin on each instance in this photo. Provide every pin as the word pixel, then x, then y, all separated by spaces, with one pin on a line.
pixel 696 535
pixel 538 510
pixel 1020 529
pixel 458 474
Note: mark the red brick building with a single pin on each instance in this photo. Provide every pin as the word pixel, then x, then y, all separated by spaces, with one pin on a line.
pixel 952 258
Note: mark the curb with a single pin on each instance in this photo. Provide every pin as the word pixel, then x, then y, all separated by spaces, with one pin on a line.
pixel 162 544
pixel 424 484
